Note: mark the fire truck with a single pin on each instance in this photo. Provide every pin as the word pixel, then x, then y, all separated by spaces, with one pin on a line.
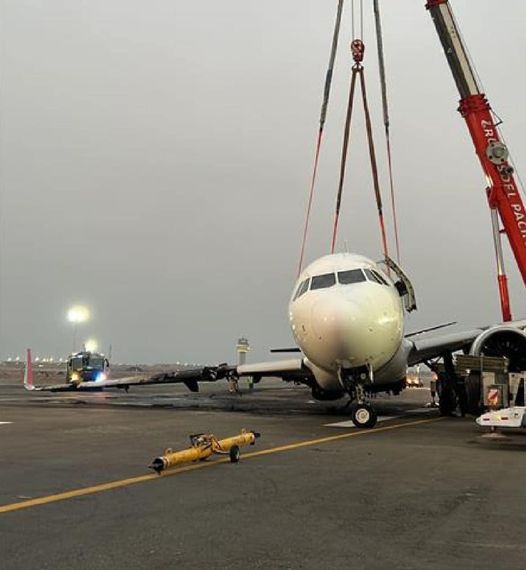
pixel 85 366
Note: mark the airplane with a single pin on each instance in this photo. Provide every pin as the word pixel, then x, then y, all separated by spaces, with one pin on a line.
pixel 347 317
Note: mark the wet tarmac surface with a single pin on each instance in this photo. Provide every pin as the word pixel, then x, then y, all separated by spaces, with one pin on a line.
pixel 416 492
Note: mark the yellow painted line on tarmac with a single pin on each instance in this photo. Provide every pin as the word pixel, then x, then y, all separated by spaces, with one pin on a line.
pixel 330 438
pixel 153 477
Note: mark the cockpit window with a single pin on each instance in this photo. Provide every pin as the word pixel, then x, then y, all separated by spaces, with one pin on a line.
pixel 323 281
pixel 379 276
pixel 373 277
pixel 302 288
pixel 351 276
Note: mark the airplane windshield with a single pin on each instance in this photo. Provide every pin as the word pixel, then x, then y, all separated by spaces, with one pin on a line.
pixel 302 288
pixel 379 276
pixel 373 277
pixel 323 281
pixel 351 276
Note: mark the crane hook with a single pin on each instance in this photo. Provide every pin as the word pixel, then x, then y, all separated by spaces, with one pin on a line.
pixel 357 50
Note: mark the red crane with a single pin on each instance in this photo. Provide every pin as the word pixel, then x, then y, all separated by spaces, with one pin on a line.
pixel 503 192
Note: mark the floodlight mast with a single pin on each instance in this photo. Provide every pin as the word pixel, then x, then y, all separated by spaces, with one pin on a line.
pixel 502 192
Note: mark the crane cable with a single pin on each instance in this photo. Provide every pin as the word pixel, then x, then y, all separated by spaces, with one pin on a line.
pixel 353 27
pixel 323 116
pixel 358 49
pixel 385 108
pixel 343 162
pixel 374 167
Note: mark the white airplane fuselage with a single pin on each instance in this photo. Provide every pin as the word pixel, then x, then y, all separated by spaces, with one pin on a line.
pixel 346 314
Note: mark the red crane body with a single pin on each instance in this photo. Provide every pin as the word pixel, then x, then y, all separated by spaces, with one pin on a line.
pixel 502 192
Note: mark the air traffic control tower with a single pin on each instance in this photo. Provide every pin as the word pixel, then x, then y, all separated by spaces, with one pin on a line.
pixel 242 348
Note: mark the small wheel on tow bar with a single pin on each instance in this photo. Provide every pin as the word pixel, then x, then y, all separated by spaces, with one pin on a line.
pixel 234 454
pixel 364 416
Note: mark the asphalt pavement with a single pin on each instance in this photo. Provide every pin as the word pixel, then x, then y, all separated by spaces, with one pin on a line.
pixel 416 492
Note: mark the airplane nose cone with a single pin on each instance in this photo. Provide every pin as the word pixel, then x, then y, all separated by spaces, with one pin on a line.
pixel 351 333
pixel 330 325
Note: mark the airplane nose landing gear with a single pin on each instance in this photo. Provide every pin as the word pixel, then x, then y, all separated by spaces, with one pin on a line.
pixel 355 383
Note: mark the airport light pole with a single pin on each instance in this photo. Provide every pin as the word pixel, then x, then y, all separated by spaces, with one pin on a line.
pixel 76 315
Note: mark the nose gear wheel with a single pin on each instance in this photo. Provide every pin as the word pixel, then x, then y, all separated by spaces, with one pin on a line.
pixel 364 416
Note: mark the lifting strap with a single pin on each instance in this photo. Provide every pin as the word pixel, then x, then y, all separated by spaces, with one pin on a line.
pixel 323 116
pixel 358 49
pixel 385 107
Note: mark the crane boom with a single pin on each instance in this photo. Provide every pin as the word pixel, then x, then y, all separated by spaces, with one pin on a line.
pixel 502 191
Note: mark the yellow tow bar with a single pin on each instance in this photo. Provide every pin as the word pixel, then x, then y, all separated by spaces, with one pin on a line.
pixel 203 445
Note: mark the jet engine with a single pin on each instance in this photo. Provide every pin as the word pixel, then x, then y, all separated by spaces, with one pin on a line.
pixel 502 340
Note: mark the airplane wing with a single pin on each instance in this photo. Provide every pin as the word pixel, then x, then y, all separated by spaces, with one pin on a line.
pixel 188 376
pixel 423 349
pixel 288 370
pixel 291 370
pixel 430 329
pixel 427 348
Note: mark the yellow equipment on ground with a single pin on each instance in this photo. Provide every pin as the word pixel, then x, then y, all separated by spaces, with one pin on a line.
pixel 203 445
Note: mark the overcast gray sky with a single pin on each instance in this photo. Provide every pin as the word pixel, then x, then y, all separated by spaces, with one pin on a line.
pixel 155 159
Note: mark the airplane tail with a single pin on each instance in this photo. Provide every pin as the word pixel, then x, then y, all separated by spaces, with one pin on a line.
pixel 28 373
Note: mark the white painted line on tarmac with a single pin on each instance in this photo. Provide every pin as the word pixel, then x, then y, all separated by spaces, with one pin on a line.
pixel 349 423
pixel 5 423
